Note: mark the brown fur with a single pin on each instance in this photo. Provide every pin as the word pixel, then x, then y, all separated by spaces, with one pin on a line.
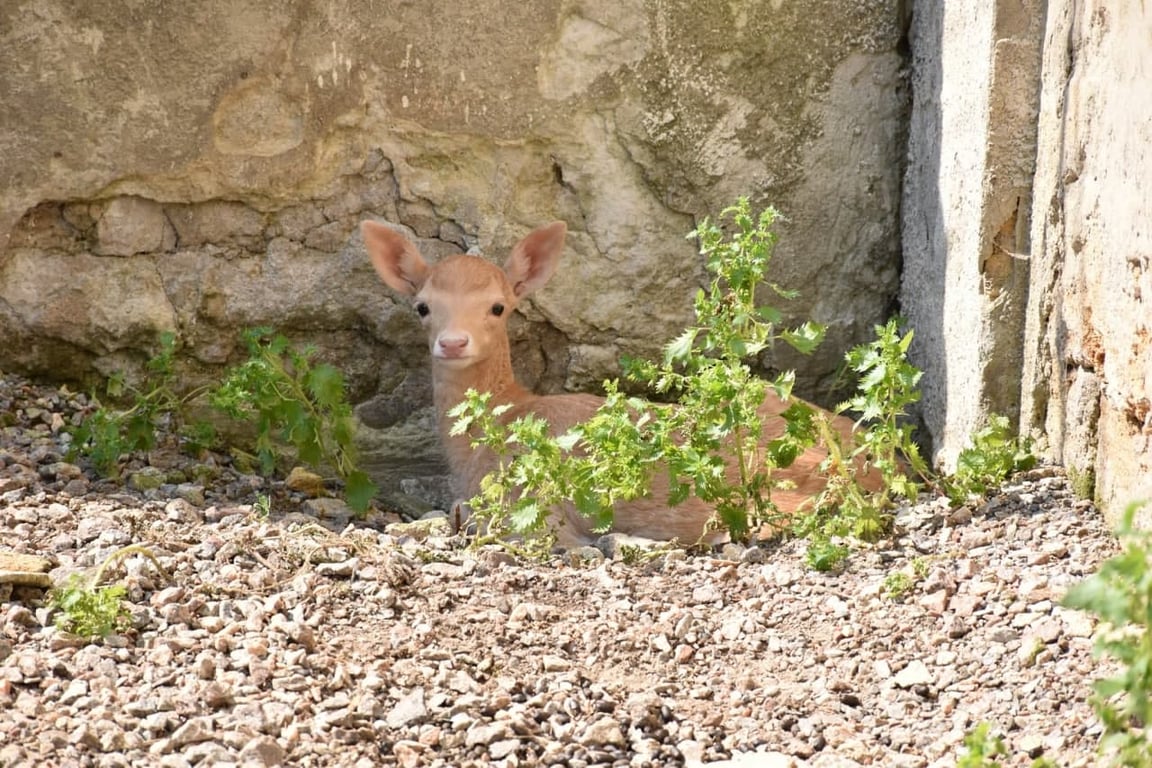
pixel 459 293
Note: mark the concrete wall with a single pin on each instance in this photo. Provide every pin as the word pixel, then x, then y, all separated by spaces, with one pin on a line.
pixel 975 84
pixel 202 167
pixel 1088 372
pixel 1026 215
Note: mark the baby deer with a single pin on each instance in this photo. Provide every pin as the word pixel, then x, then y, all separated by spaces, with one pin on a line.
pixel 464 303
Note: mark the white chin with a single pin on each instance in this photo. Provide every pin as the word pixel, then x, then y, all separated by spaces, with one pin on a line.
pixel 454 362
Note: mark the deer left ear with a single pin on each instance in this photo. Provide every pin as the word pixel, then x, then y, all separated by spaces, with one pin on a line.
pixel 534 259
pixel 395 258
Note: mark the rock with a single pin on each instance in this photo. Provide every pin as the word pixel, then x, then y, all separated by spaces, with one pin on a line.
pixel 341 570
pixel 147 479
pixel 618 546
pixel 193 731
pixel 420 530
pixel 485 734
pixel 308 483
pixel 409 753
pixel 758 760
pixel 915 673
pixel 131 225
pixel 603 732
pixel 410 709
pixel 1076 623
pixel 263 751
pixel 553 663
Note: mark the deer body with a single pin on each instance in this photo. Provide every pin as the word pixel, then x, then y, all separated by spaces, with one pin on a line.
pixel 464 303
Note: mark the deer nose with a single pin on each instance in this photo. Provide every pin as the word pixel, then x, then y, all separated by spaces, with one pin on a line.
pixel 451 345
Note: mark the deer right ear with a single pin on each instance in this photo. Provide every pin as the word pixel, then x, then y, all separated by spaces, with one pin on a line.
pixel 395 258
pixel 534 259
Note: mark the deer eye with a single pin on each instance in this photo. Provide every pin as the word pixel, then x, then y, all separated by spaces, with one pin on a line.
pixel 422 309
pixel 497 309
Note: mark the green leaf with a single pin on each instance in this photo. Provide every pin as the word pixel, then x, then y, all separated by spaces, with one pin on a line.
pixel 326 385
pixel 806 338
pixel 680 347
pixel 526 516
pixel 359 490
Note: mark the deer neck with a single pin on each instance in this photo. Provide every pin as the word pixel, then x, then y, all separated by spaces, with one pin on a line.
pixel 493 374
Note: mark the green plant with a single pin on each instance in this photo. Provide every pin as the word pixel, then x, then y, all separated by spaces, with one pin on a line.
pixel 90 610
pixel 108 433
pixel 824 555
pixel 995 454
pixel 298 401
pixel 898 584
pixel 709 442
pixel 887 385
pixel 981 748
pixel 262 507
pixel 1082 482
pixel 1120 594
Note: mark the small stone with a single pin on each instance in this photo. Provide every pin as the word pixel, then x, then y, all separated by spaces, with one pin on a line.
pixel 217 695
pixel 303 481
pixel 581 557
pixel 691 751
pixel 1077 623
pixel 935 603
pixel 191 493
pixel 1003 635
pixel 74 691
pixel 342 570
pixel 498 750
pixel 146 479
pixel 193 731
pixel 410 709
pixel 705 594
pixel 409 754
pixel 485 733
pixel 328 509
pixel 916 673
pixel 965 604
pixel 603 732
pixel 554 663
pixel 263 750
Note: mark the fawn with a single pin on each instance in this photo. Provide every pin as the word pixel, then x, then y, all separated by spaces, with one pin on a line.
pixel 464 303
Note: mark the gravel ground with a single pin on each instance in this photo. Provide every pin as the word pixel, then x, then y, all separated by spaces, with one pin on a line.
pixel 296 637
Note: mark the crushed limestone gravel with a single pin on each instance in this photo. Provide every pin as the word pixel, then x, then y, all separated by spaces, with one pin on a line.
pixel 302 637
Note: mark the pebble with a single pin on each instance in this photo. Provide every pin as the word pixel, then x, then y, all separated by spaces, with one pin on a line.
pixel 313 639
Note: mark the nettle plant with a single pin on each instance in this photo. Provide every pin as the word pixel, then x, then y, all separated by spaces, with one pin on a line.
pixel 298 402
pixel 1120 594
pixel 108 432
pixel 710 441
pixel 298 406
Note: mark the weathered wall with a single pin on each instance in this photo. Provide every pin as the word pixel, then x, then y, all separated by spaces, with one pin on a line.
pixel 975 83
pixel 1026 208
pixel 202 167
pixel 1088 372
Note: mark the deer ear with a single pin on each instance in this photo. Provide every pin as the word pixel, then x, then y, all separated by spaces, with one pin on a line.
pixel 534 259
pixel 395 257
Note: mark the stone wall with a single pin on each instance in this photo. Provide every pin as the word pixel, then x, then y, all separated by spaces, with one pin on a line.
pixel 1026 243
pixel 1088 366
pixel 203 168
pixel 972 144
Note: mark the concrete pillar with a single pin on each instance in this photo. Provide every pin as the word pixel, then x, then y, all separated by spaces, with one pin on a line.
pixel 966 208
pixel 1087 378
